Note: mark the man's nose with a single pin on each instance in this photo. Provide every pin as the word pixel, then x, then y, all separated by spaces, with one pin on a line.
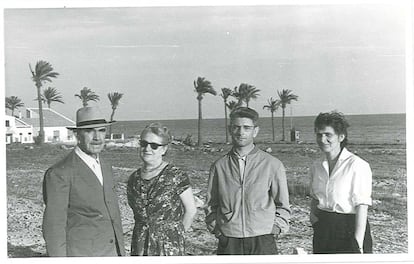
pixel 95 135
pixel 239 131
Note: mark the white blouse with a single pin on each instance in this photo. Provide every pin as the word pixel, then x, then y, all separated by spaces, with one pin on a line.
pixel 349 185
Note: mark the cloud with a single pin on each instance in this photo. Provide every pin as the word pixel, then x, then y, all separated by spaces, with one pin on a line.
pixel 136 46
pixel 17 47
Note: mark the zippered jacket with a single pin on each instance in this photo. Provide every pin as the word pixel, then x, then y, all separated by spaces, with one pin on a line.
pixel 254 206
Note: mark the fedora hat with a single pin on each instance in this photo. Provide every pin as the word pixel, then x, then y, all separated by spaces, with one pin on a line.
pixel 90 117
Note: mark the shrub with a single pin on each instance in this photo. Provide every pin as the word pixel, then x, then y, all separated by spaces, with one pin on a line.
pixel 37 140
pixel 189 140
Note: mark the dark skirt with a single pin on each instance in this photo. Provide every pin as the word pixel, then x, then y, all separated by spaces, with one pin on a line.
pixel 334 234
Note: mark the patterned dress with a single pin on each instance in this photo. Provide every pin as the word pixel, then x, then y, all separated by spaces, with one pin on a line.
pixel 158 212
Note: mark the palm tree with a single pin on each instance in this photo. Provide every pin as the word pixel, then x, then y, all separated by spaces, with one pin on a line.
pixel 250 92
pixel 285 98
pixel 232 105
pixel 245 92
pixel 202 86
pixel 272 106
pixel 13 103
pixel 87 95
pixel 225 93
pixel 114 99
pixel 238 95
pixel 51 95
pixel 43 73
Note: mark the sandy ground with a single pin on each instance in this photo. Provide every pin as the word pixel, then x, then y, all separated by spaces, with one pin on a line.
pixel 388 218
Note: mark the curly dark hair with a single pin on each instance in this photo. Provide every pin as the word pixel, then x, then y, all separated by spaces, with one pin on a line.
pixel 245 112
pixel 336 120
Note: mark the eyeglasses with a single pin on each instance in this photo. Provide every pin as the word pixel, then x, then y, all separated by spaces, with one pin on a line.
pixel 246 128
pixel 153 145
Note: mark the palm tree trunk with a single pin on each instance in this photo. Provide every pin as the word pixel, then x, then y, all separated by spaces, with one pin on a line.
pixel 225 121
pixel 112 118
pixel 283 124
pixel 41 131
pixel 199 143
pixel 13 112
pixel 273 128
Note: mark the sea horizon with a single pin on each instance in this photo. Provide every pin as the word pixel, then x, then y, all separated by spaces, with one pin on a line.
pixel 267 116
pixel 369 128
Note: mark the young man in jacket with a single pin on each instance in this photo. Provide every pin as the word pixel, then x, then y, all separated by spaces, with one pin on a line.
pixel 82 216
pixel 247 196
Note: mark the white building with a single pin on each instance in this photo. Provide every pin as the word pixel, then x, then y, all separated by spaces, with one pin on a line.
pixel 54 125
pixel 18 131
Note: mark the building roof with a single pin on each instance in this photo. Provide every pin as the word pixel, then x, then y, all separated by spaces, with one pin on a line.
pixel 51 118
pixel 20 123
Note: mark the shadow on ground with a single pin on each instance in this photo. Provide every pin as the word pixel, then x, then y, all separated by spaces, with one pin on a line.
pixel 22 252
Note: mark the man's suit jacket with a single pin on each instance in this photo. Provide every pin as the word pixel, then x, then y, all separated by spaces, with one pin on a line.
pixel 81 217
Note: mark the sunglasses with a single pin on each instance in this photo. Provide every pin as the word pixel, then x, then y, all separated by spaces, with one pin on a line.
pixel 154 146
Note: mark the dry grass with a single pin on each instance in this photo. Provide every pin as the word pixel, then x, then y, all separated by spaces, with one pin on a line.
pixel 388 216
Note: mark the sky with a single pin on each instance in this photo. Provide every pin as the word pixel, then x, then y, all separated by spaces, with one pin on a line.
pixel 348 57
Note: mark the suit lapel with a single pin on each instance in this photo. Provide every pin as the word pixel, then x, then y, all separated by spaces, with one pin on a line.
pixel 108 187
pixel 88 175
pixel 107 176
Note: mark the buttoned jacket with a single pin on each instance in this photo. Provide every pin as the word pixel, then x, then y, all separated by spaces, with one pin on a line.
pixel 81 217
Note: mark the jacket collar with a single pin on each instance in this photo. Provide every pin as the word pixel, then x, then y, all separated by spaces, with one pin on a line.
pixel 235 154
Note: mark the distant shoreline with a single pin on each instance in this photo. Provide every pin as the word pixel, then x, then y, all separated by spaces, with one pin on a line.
pixel 381 128
pixel 287 117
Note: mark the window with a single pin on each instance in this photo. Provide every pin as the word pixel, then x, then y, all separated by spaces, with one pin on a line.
pixel 7 123
pixel 56 135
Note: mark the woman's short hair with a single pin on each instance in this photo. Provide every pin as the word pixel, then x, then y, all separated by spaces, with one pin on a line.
pixel 245 112
pixel 160 130
pixel 336 120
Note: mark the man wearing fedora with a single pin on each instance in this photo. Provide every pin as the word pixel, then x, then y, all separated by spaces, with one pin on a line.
pixel 82 216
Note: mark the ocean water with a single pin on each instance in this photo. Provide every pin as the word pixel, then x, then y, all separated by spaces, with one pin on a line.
pixel 366 129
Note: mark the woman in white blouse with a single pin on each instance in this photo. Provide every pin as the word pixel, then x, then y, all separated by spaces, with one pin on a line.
pixel 341 186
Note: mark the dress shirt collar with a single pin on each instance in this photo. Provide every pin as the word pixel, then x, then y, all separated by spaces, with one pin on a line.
pixel 87 158
pixel 345 154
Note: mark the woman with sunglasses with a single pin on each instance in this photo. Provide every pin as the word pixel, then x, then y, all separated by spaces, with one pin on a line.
pixel 161 198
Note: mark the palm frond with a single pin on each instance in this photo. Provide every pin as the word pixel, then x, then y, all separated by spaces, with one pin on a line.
pixel 226 93
pixel 51 95
pixel 272 105
pixel 114 99
pixel 87 95
pixel 286 97
pixel 13 102
pixel 203 86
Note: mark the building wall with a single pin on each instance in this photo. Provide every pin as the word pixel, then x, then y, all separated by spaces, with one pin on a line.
pixel 23 135
pixel 17 134
pixel 59 134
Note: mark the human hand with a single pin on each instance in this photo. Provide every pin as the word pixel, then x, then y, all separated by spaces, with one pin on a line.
pixel 276 230
pixel 313 218
pixel 357 246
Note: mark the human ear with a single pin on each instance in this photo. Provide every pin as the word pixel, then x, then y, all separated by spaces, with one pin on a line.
pixel 256 131
pixel 165 150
